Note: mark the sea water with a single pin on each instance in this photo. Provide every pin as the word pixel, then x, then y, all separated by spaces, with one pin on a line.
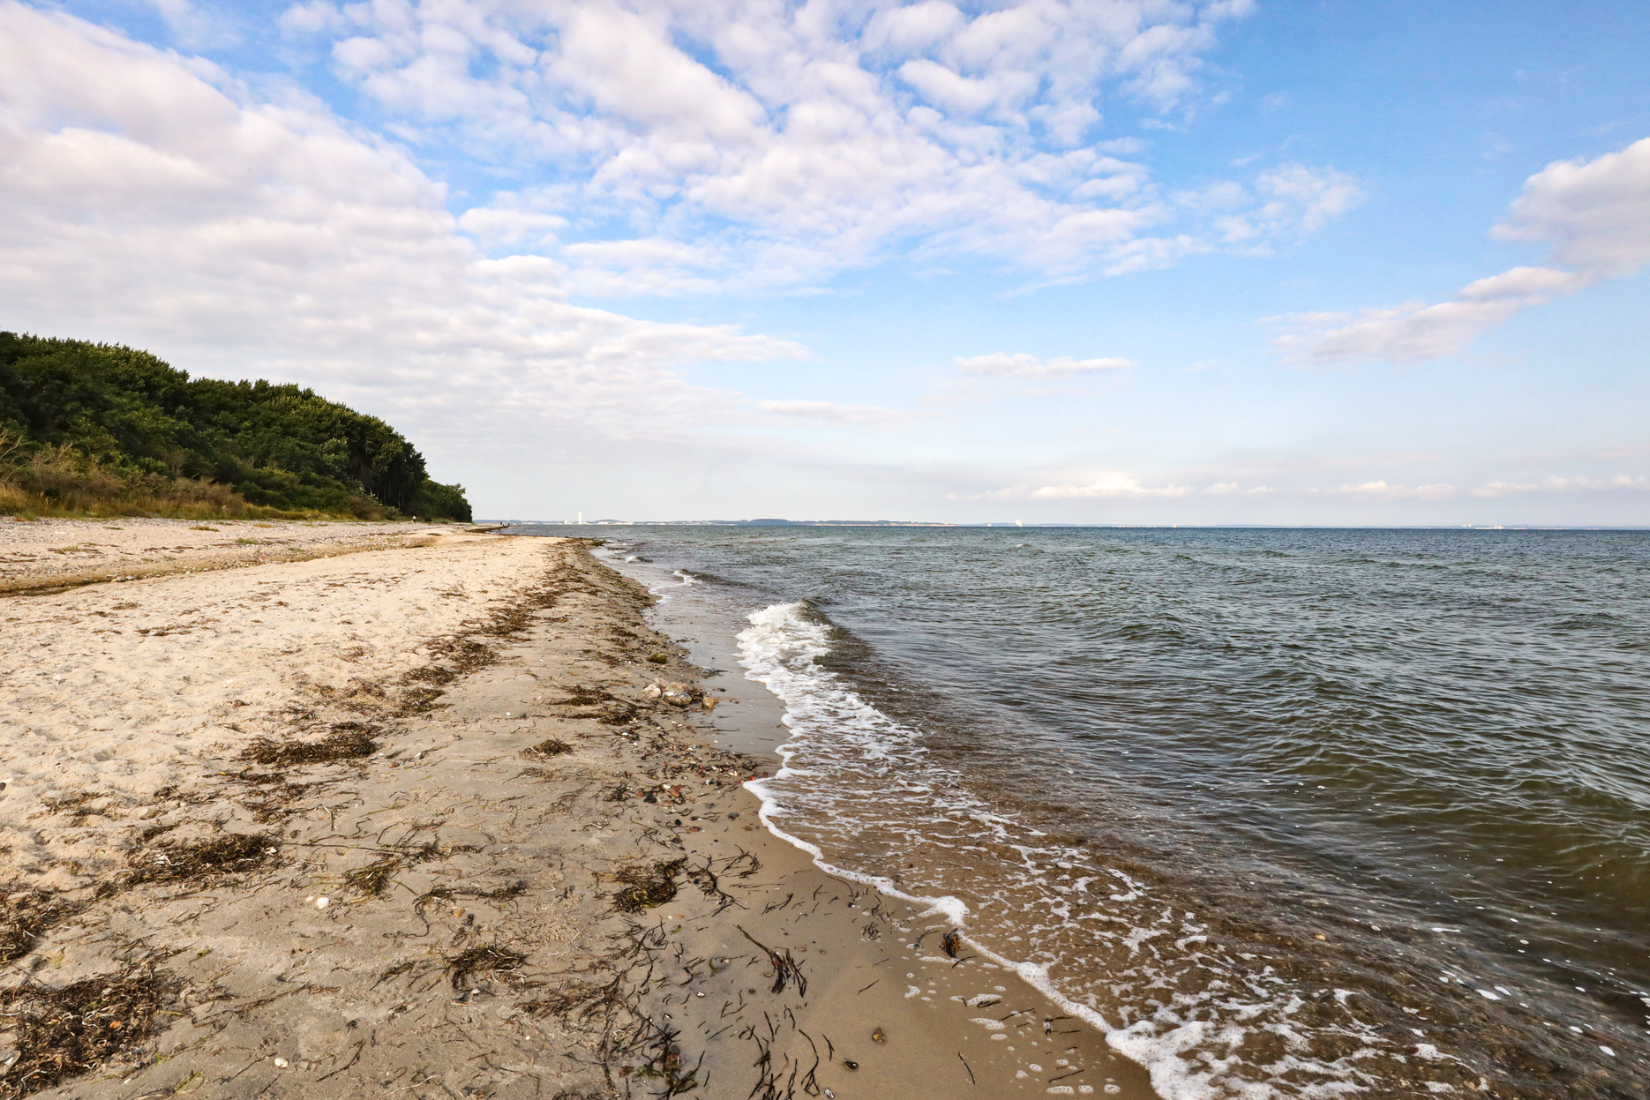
pixel 1284 813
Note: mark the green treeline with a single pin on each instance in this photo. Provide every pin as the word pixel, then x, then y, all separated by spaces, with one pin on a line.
pixel 102 429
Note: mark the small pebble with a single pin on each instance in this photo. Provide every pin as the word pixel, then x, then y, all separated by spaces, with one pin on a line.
pixel 282 1063
pixel 322 902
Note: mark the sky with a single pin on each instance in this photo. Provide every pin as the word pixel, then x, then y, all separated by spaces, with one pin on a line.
pixel 1076 261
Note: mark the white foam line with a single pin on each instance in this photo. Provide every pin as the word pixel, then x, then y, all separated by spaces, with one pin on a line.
pixel 953 908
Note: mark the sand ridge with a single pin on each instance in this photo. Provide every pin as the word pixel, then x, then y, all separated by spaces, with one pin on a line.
pixel 44 554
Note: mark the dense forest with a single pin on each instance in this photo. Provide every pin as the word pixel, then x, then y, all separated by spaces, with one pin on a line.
pixel 100 429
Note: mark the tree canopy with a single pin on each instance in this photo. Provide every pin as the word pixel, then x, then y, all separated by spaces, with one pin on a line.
pixel 280 447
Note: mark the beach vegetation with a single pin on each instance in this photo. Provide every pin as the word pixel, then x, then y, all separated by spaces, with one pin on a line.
pixel 104 430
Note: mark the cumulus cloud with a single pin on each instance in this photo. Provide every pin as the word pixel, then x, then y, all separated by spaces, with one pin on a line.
pixel 1596 214
pixel 1000 364
pixel 803 139
pixel 152 200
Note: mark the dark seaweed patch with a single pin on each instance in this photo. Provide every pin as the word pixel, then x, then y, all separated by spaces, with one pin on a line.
pixel 647 885
pixel 347 742
pixel 552 747
pixel 64 1033
pixel 25 915
pixel 204 861
pixel 483 959
pixel 372 878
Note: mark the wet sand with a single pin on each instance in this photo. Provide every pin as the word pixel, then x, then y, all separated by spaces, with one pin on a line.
pixel 199 901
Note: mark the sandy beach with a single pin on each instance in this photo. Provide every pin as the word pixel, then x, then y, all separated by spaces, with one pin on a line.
pixel 395 809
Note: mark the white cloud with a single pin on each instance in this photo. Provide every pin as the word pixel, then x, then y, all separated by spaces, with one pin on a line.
pixel 1029 366
pixel 493 225
pixel 147 204
pixel 189 23
pixel 1596 212
pixel 1232 488
pixel 1108 485
pixel 828 411
pixel 903 30
pixel 1597 216
pixel 1288 201
pixel 1396 492
pixel 313 17
pixel 1557 484
pixel 802 139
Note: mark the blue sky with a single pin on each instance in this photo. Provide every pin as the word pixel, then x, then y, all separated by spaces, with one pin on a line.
pixel 1057 261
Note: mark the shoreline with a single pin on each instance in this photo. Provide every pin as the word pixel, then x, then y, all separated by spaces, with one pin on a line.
pixel 310 842
pixel 972 1021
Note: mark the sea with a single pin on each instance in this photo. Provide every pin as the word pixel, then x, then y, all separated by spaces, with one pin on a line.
pixel 1284 813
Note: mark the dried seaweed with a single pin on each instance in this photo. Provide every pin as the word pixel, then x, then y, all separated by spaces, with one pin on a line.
pixel 209 859
pixel 647 885
pixel 75 803
pixel 348 741
pixel 63 1033
pixel 372 878
pixel 579 998
pixel 552 747
pixel 463 654
pixel 26 913
pixel 784 967
pixel 430 674
pixel 419 701
pixel 483 959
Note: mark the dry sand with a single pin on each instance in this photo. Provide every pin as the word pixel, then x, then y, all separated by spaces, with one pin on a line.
pixel 282 830
pixel 47 553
